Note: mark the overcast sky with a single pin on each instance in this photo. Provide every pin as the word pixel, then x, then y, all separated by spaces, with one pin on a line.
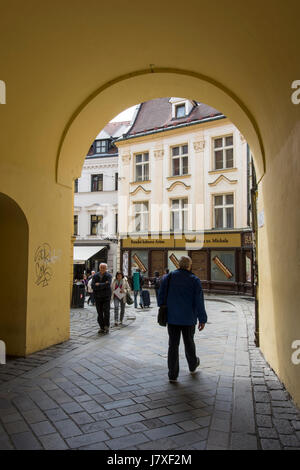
pixel 125 115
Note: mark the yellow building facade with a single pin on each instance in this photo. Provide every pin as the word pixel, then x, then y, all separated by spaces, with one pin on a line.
pixel 54 106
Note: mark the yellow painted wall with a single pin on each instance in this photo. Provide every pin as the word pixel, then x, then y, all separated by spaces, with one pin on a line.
pixel 13 275
pixel 66 77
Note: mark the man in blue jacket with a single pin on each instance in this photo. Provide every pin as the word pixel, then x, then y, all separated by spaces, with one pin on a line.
pixel 185 306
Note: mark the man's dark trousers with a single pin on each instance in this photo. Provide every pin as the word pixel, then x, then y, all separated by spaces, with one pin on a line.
pixel 103 310
pixel 189 346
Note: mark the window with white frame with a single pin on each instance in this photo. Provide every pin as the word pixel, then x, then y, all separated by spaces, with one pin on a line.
pixel 179 111
pixel 223 211
pixel 180 160
pixel 141 216
pixel 223 152
pixel 179 214
pixel 96 224
pixel 142 166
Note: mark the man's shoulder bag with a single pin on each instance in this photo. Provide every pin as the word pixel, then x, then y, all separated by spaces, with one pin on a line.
pixel 162 317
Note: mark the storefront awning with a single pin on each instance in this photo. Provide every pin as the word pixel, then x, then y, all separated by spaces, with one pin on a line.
pixel 82 253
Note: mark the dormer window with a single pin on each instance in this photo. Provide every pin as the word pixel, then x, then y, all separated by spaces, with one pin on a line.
pixel 101 146
pixel 181 107
pixel 180 111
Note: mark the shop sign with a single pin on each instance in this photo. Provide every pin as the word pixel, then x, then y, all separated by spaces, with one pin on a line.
pixel 188 242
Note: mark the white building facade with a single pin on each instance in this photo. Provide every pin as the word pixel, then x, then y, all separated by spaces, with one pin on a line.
pixel 96 204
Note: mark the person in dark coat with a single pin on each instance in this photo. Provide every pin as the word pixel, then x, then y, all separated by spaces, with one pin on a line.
pixel 157 281
pixel 185 305
pixel 101 285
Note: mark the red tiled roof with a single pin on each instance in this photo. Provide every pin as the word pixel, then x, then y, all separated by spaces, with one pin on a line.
pixel 156 114
pixel 112 127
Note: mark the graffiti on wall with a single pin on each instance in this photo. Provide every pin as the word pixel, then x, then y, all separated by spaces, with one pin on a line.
pixel 43 258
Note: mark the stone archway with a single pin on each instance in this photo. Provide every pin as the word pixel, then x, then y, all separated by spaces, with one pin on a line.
pixel 14 272
pixel 127 90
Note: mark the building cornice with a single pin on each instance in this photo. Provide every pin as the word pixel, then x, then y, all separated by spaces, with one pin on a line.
pixel 134 183
pixel 100 165
pixel 170 129
pixel 223 170
pixel 172 178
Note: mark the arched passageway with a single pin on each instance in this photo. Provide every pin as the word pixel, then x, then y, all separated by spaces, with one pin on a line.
pixel 113 97
pixel 14 272
pixel 71 86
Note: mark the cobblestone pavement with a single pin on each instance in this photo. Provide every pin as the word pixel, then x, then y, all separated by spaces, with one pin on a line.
pixel 112 392
pixel 83 330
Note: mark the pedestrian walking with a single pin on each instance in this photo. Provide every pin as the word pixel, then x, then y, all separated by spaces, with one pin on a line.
pixel 119 288
pixel 101 285
pixel 185 305
pixel 157 281
pixel 138 282
pixel 90 289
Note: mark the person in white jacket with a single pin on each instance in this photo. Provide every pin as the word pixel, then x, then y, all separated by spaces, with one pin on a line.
pixel 90 290
pixel 119 288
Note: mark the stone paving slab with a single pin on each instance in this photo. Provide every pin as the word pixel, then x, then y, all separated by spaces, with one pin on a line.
pixel 112 392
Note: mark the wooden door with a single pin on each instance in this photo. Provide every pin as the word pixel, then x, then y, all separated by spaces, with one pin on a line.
pixel 199 267
pixel 157 262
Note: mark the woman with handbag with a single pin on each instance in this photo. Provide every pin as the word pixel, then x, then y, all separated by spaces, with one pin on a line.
pixel 120 288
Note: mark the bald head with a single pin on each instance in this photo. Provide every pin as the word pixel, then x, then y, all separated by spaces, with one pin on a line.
pixel 103 268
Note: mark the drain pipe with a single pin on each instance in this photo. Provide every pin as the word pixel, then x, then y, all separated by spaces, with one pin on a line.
pixel 254 231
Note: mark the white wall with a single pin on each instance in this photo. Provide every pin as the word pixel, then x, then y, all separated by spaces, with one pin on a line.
pixel 87 203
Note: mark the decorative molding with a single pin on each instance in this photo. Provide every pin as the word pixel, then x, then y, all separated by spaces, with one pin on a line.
pixel 159 154
pixel 242 138
pixel 126 158
pixel 198 146
pixel 221 178
pixel 140 188
pixel 170 178
pixel 99 166
pixel 223 170
pixel 178 183
pixel 134 183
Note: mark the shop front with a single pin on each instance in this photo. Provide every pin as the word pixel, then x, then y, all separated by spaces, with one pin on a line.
pixel 87 258
pixel 222 260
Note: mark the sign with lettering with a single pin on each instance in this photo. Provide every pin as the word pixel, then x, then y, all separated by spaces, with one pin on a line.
pixel 189 242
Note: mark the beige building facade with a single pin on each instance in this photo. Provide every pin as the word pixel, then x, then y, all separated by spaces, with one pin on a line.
pixel 184 189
